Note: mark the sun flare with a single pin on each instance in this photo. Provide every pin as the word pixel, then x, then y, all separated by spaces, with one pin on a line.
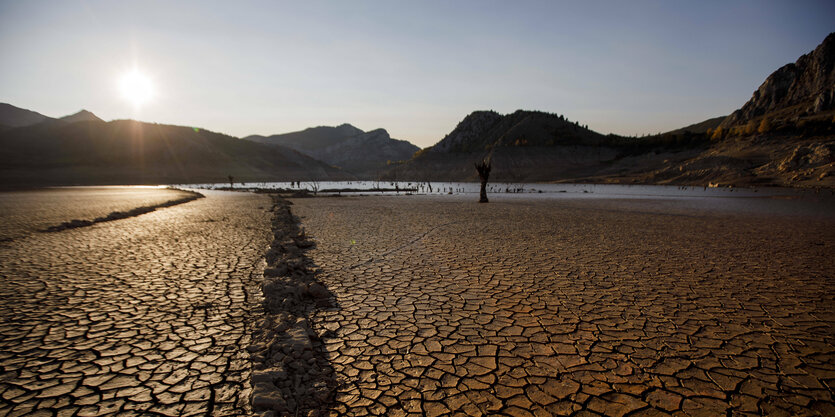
pixel 136 88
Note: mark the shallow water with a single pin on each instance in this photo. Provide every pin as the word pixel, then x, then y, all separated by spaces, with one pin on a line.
pixel 657 198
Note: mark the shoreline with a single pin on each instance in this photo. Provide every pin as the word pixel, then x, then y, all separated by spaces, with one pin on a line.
pixel 118 215
pixel 570 181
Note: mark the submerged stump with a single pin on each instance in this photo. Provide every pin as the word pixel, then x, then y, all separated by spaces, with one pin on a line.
pixel 483 169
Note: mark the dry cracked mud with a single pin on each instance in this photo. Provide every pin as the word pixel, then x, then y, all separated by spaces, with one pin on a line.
pixel 148 315
pixel 435 306
pixel 598 307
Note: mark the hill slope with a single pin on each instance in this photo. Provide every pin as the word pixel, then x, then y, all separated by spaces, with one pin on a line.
pixel 523 146
pixel 11 116
pixel 131 152
pixel 362 153
pixel 81 116
pixel 701 127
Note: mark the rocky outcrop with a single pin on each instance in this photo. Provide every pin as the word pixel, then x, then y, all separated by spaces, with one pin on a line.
pixel 804 87
pixel 811 161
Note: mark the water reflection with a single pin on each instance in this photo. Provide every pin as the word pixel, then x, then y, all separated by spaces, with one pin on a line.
pixel 766 200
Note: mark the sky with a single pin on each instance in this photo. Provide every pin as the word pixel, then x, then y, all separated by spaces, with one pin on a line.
pixel 415 68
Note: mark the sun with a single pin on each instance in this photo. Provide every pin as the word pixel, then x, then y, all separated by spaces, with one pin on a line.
pixel 136 88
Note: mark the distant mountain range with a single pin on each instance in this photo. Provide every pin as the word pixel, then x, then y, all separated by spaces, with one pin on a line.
pixel 83 149
pixel 784 135
pixel 11 116
pixel 364 154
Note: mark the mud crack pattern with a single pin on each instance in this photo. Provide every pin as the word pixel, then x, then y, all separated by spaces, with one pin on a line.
pixel 148 315
pixel 584 308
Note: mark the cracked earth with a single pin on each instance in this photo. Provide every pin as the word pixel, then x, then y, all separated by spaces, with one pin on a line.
pixel 148 315
pixel 556 307
pixel 438 306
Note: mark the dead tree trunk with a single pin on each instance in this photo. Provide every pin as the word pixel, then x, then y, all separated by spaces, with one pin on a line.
pixel 483 169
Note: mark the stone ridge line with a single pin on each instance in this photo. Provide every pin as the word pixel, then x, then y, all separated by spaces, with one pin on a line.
pixel 291 374
pixel 118 215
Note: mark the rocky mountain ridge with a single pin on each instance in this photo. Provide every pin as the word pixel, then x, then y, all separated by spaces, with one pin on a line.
pixel 362 153
pixel 798 89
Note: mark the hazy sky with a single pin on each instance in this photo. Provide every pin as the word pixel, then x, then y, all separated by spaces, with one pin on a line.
pixel 415 68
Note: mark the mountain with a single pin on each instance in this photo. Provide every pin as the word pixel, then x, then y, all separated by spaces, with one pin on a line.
pixel 11 116
pixel 484 130
pixel 310 139
pixel 784 135
pixel 81 116
pixel 523 146
pixel 364 154
pixel 131 152
pixel 803 88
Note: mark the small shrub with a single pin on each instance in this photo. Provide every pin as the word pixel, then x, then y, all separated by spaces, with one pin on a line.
pixel 765 125
pixel 717 134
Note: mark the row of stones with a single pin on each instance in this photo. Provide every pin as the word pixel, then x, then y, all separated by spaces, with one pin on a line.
pixel 291 374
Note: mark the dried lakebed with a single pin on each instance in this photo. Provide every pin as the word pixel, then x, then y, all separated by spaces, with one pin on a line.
pixel 524 307
pixel 26 212
pixel 421 305
pixel 148 315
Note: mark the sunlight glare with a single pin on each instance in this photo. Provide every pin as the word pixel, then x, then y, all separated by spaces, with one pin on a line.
pixel 136 88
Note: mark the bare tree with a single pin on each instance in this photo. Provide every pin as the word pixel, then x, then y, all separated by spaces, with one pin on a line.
pixel 483 169
pixel 314 186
